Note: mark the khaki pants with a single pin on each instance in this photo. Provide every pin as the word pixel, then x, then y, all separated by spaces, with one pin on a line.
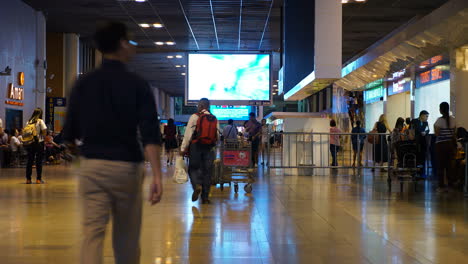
pixel 111 188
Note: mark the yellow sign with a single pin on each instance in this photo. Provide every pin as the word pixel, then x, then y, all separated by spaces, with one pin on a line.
pixel 15 93
pixel 21 78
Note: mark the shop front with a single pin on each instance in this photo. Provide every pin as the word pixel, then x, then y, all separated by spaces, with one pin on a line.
pixel 432 87
pixel 374 103
pixel 398 97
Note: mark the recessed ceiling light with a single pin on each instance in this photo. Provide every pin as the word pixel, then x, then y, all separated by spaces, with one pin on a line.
pixel 144 25
pixel 375 75
pixel 170 43
pixel 159 43
pixel 170 57
pixel 183 73
pixel 344 1
pixel 360 1
pixel 177 66
pixel 179 56
pixel 140 1
pixel 158 25
pixel 184 66
pixel 275 85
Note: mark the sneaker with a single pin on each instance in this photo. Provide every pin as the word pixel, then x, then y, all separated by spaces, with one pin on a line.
pixel 28 181
pixel 40 182
pixel 196 193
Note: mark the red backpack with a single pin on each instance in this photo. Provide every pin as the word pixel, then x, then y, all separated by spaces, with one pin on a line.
pixel 206 132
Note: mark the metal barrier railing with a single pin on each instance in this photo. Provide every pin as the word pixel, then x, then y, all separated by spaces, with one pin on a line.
pixel 314 150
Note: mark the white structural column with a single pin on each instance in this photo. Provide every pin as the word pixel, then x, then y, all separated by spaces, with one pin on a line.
pixel 328 38
pixel 70 61
pixel 40 60
pixel 459 85
pixel 327 50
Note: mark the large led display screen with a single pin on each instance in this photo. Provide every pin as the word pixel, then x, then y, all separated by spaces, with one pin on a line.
pixel 234 79
pixel 234 112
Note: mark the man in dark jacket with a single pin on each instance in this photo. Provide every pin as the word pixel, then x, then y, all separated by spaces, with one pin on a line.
pixel 111 173
pixel 421 131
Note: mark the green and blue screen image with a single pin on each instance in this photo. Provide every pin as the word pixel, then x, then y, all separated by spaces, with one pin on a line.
pixel 234 112
pixel 229 76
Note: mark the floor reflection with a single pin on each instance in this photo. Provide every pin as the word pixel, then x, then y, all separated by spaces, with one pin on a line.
pixel 334 217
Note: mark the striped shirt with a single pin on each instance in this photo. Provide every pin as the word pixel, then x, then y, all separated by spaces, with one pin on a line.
pixel 446 133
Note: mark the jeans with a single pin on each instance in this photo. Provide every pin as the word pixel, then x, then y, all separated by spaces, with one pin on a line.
pixel 200 167
pixel 35 152
pixel 334 152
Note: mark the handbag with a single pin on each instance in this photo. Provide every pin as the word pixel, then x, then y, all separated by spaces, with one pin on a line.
pixel 373 139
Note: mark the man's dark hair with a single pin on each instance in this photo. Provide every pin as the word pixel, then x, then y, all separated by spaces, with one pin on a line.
pixel 358 123
pixel 408 120
pixel 423 112
pixel 252 114
pixel 230 121
pixel 204 103
pixel 108 36
pixel 332 123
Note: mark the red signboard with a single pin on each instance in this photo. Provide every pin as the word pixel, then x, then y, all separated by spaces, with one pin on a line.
pixel 236 158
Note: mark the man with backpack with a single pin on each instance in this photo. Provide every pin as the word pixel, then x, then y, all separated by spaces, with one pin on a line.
pixel 199 141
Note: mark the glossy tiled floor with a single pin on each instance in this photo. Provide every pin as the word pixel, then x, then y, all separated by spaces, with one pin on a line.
pixel 335 218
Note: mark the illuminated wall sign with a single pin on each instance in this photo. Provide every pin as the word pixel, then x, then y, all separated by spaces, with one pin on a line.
pixel 373 95
pixel 374 84
pixel 14 103
pixel 432 62
pixel 399 83
pixel 20 78
pixel 433 75
pixel 15 93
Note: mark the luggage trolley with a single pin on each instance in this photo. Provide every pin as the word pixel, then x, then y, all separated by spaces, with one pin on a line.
pixel 236 161
pixel 407 168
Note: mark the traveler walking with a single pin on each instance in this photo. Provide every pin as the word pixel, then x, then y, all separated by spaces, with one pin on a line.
pixel 421 131
pixel 334 142
pixel 170 140
pixel 445 146
pixel 253 128
pixel 358 143
pixel 381 148
pixel 230 131
pixel 111 173
pixel 33 140
pixel 201 136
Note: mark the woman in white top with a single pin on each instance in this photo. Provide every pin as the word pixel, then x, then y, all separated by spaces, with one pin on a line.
pixel 36 148
pixel 445 145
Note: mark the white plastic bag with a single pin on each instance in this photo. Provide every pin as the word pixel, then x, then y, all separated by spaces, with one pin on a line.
pixel 180 172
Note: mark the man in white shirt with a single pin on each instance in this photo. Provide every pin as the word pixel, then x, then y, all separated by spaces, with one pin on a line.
pixel 201 156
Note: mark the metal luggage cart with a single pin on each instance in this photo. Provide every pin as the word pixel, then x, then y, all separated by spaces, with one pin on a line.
pixel 236 165
pixel 407 168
